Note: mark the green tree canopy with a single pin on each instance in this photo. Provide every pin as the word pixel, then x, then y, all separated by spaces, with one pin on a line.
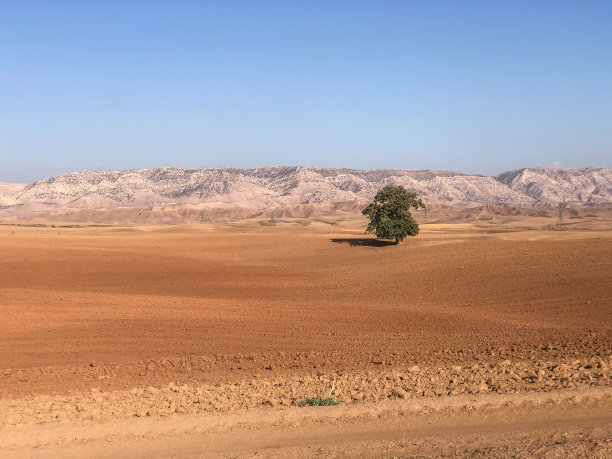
pixel 390 216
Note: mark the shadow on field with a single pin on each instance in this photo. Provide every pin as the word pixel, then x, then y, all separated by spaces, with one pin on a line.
pixel 363 242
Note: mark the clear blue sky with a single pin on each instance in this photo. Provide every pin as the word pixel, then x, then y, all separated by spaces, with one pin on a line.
pixel 479 87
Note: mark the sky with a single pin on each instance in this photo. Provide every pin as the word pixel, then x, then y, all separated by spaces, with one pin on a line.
pixel 474 86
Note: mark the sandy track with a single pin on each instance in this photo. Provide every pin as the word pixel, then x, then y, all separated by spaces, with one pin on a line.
pixel 560 424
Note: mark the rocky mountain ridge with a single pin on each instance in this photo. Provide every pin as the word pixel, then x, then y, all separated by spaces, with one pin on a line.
pixel 267 187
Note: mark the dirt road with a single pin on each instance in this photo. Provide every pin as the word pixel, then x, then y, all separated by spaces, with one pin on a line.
pixel 559 424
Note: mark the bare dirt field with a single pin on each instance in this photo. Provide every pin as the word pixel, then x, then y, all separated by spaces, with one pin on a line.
pixel 202 339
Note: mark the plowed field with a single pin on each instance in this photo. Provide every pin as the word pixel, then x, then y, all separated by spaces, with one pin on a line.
pixel 105 323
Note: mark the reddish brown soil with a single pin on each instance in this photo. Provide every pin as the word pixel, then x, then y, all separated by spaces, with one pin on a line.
pixel 479 340
pixel 114 309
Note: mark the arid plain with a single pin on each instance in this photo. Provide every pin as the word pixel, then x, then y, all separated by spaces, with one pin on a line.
pixel 488 338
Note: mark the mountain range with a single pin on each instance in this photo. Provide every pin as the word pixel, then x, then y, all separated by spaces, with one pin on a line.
pixel 268 187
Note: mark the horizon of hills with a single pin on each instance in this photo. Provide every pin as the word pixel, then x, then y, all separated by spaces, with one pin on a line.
pixel 272 187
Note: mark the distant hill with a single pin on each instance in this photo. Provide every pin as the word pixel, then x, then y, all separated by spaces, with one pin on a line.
pixel 268 187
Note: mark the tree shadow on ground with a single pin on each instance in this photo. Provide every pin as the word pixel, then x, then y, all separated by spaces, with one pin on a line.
pixel 362 242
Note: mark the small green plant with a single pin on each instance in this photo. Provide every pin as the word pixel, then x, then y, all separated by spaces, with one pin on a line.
pixel 318 401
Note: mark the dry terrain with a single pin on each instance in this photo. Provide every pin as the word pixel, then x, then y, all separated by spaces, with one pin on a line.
pixel 488 338
pixel 270 187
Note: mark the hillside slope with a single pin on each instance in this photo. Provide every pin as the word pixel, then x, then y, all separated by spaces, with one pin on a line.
pixel 291 186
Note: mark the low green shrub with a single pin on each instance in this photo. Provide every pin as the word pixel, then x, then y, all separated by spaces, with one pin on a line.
pixel 318 401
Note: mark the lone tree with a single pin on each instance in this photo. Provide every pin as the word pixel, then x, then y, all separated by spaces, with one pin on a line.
pixel 390 216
